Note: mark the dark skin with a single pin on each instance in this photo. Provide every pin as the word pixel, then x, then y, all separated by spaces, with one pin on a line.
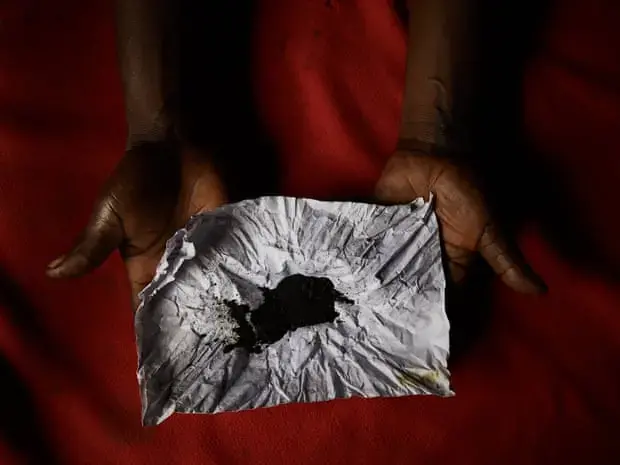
pixel 154 190
pixel 162 181
pixel 467 228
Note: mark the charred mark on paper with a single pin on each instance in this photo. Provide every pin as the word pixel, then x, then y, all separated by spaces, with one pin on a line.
pixel 297 301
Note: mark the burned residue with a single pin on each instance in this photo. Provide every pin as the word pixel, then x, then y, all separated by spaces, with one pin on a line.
pixel 296 302
pixel 244 332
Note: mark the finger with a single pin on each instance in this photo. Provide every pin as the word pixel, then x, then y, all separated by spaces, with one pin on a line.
pixel 508 263
pixel 458 262
pixel 102 236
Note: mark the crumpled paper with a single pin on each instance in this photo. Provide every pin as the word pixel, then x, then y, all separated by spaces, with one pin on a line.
pixel 391 341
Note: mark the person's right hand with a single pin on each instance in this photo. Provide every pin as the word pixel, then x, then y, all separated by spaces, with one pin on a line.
pixel 153 191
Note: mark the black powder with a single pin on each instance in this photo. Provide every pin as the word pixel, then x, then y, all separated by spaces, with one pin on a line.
pixel 296 302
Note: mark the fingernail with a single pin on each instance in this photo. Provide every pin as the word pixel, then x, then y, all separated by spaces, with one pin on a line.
pixel 53 264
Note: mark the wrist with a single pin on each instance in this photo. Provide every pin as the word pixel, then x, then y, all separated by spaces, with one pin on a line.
pixel 426 115
pixel 414 144
pixel 157 129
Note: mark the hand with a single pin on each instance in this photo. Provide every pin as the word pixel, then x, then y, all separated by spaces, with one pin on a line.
pixel 154 190
pixel 465 223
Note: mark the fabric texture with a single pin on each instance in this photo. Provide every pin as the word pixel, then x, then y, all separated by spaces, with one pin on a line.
pixel 539 385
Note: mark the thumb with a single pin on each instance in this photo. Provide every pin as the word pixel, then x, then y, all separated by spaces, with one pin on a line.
pixel 508 263
pixel 100 238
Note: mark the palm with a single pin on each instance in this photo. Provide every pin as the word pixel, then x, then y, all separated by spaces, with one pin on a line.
pixel 153 192
pixel 157 187
pixel 466 226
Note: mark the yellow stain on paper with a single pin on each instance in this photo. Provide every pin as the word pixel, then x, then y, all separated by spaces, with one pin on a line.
pixel 417 378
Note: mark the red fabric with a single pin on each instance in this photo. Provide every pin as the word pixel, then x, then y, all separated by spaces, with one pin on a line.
pixel 542 384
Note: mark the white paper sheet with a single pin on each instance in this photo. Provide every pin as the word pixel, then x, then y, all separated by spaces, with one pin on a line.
pixel 391 341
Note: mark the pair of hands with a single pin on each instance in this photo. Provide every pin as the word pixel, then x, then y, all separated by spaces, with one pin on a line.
pixel 158 186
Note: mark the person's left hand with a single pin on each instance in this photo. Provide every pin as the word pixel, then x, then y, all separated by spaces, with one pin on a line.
pixel 465 224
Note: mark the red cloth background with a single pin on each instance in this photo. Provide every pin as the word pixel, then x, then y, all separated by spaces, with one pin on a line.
pixel 541 385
